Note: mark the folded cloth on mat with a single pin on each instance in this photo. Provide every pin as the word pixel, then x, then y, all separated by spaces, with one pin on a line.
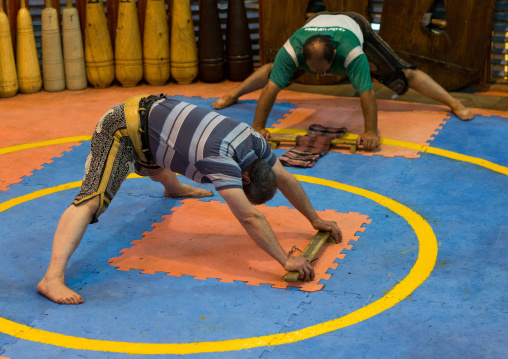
pixel 312 146
pixel 319 130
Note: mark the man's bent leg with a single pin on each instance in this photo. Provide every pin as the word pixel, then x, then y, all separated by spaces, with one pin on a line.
pixel 68 235
pixel 174 188
pixel 254 82
pixel 425 85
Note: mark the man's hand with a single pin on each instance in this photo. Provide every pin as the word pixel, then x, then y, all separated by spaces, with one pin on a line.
pixel 300 265
pixel 369 139
pixel 328 226
pixel 263 132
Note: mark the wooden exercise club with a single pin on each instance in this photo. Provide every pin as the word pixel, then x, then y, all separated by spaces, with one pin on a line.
pixel 100 68
pixel 27 62
pixel 184 52
pixel 53 76
pixel 8 75
pixel 156 43
pixel 238 45
pixel 73 52
pixel 128 49
pixel 212 64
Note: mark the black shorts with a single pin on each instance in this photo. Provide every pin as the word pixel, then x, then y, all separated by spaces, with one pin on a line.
pixel 385 66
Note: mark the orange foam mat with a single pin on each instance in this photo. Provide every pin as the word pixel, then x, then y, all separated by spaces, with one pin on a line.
pixel 15 165
pixel 204 240
pixel 492 93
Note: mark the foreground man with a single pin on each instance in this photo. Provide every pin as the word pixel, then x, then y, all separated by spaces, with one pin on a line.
pixel 162 136
pixel 339 44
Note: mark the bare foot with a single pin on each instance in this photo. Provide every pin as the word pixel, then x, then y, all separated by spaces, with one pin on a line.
pixel 224 101
pixel 185 190
pixel 58 292
pixel 462 112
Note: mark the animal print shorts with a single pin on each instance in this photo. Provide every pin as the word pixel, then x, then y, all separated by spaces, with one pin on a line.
pixel 110 161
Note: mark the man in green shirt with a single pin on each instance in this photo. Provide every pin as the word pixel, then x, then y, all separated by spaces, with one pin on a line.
pixel 339 44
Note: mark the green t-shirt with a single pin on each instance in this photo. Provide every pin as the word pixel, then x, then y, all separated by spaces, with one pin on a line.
pixel 349 60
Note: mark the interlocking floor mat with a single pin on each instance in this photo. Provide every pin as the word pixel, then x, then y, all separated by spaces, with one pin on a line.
pixel 204 240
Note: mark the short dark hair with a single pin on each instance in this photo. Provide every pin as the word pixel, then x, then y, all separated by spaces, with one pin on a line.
pixel 263 182
pixel 327 43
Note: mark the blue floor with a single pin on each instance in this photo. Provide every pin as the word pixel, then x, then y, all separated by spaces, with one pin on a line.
pixel 459 311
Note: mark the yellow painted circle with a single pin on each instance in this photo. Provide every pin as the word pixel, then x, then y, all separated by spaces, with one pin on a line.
pixel 422 268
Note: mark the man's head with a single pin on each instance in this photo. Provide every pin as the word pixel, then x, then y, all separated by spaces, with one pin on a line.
pixel 259 182
pixel 318 53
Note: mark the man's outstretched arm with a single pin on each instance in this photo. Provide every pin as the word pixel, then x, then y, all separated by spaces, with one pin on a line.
pixel 370 137
pixel 295 194
pixel 265 104
pixel 256 226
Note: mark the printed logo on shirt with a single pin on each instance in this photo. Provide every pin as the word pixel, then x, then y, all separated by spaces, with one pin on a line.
pixel 324 29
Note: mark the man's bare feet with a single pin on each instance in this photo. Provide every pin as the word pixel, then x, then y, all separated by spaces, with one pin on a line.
pixel 461 111
pixel 224 101
pixel 58 292
pixel 186 190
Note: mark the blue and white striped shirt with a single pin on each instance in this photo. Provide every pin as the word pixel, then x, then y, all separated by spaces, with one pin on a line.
pixel 203 145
